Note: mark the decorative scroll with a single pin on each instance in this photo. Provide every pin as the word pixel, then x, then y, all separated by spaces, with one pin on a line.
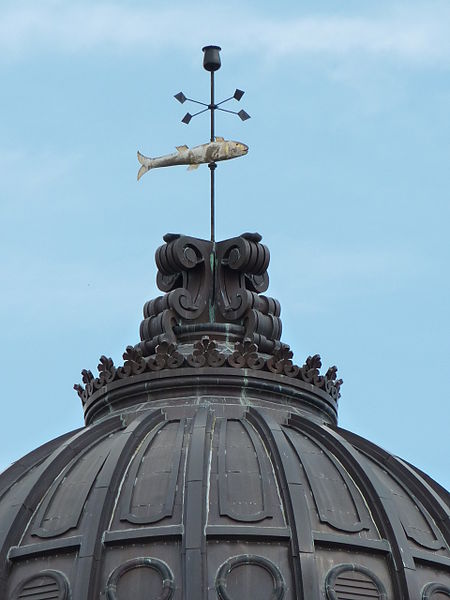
pixel 241 276
pixel 185 274
pixel 212 292
pixel 166 357
pixel 246 355
pixel 207 354
pixel 211 285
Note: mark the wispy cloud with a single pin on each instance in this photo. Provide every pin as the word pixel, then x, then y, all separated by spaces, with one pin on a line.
pixel 414 32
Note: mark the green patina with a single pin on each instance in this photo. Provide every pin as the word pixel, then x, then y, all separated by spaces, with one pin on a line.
pixel 243 397
pixel 212 262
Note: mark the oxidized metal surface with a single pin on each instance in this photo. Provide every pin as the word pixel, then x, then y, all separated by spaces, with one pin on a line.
pixel 212 289
pixel 211 467
pixel 205 353
pixel 204 498
pixel 212 315
pixel 215 151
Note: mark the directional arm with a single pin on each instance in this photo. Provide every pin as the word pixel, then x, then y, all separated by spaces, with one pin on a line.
pixel 211 62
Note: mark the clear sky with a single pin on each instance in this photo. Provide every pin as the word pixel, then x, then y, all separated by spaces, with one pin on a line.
pixel 347 179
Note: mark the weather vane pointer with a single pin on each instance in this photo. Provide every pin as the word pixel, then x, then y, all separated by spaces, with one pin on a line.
pixel 217 149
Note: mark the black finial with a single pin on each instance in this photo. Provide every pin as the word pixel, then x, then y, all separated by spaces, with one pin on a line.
pixel 211 58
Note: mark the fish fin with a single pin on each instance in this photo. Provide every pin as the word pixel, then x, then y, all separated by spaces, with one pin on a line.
pixel 193 167
pixel 219 138
pixel 142 159
pixel 181 148
pixel 146 164
pixel 142 171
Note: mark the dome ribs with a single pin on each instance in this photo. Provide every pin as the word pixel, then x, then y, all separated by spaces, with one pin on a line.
pixel 101 502
pixel 211 466
pixel 18 469
pixel 296 509
pixel 194 515
pixel 22 507
pixel 338 501
pixel 411 481
pixel 378 498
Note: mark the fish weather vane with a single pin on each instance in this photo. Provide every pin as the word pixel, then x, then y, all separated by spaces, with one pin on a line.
pixel 217 149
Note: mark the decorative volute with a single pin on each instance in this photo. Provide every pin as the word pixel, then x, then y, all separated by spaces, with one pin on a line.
pixel 212 289
pixel 211 467
pixel 214 317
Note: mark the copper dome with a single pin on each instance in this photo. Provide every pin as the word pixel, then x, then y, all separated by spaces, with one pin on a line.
pixel 211 466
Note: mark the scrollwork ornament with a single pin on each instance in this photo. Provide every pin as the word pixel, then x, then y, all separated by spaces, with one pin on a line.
pixel 206 353
pixel 157 361
pixel 134 362
pixel 88 380
pixel 281 362
pixel 255 361
pixel 331 385
pixel 107 370
pixel 309 372
pixel 246 355
pixel 166 355
pixel 81 392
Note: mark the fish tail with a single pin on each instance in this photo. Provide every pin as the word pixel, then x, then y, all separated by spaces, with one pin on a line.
pixel 146 164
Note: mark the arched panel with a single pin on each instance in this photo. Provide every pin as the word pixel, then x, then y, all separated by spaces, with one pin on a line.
pixel 63 505
pixel 244 476
pixel 149 489
pixel 337 499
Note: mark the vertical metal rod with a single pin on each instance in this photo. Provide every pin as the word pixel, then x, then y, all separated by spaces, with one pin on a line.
pixel 212 106
pixel 212 165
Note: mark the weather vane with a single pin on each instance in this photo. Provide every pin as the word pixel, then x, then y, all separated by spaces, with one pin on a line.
pixel 217 149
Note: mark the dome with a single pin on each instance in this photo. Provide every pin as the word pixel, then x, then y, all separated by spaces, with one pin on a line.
pixel 212 466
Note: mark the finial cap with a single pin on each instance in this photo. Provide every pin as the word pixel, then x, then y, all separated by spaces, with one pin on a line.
pixel 211 58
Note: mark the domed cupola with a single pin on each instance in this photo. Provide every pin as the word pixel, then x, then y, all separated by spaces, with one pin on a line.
pixel 211 466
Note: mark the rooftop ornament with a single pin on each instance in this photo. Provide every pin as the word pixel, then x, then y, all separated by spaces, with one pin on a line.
pixel 217 149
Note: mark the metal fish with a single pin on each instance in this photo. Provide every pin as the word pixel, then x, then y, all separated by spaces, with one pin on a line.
pixel 220 149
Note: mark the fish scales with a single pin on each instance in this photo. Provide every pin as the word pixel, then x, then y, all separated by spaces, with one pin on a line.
pixel 215 151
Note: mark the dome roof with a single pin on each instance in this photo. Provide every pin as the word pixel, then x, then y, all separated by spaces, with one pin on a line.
pixel 211 466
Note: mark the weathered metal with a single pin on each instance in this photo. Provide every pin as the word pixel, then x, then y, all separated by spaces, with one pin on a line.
pixel 211 466
pixel 211 469
pixel 212 288
pixel 215 151
pixel 211 58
